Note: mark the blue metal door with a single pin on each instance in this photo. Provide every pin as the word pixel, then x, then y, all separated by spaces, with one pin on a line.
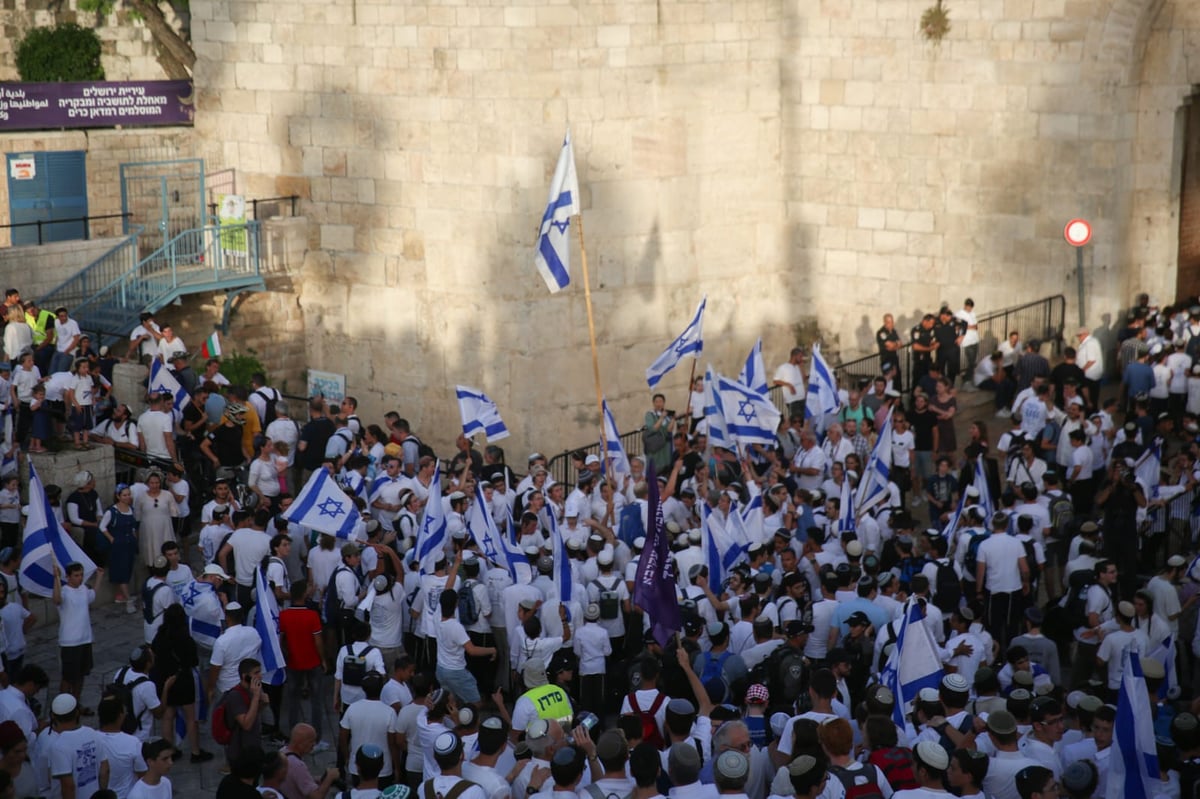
pixel 47 188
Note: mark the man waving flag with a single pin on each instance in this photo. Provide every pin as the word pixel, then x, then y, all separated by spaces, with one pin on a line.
pixel 553 257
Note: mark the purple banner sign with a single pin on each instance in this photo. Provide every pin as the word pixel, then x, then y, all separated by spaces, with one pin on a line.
pixel 103 104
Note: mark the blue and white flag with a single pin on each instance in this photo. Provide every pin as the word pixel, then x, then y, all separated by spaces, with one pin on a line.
pixel 750 418
pixel 847 523
pixel 689 342
pixel 431 538
pixel 487 535
pixel 204 610
pixel 754 373
pixel 356 484
pixel 723 544
pixel 873 482
pixel 822 396
pixel 614 452
pixel 914 663
pixel 323 506
pixel 985 503
pixel 266 624
pixel 714 412
pixel 45 543
pixel 564 578
pixel 553 257
pixel 10 447
pixel 1165 654
pixel 162 381
pixel 1133 766
pixel 479 414
pixel 1148 468
pixel 752 516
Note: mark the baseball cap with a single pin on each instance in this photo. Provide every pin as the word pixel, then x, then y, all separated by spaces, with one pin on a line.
pixel 213 570
pixel 757 694
pixel 534 674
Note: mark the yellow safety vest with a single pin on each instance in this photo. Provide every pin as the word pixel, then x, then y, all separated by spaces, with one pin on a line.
pixel 551 702
pixel 38 325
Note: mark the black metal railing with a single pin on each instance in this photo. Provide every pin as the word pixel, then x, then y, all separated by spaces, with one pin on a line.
pixel 42 224
pixel 271 205
pixel 1042 319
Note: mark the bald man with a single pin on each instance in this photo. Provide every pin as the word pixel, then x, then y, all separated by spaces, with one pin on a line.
pixel 299 784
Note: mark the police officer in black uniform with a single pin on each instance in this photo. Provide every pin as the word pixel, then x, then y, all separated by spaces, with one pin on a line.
pixel 948 332
pixel 923 347
pixel 889 343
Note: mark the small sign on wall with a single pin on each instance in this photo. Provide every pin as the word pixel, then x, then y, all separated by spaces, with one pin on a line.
pixel 329 385
pixel 23 168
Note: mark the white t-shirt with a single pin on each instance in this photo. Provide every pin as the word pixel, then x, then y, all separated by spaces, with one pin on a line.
pixel 264 477
pixel 1000 553
pixel 429 598
pixel 64 332
pixel 74 621
pixel 142 790
pixel 396 693
pixel 451 638
pixel 1112 650
pixel 370 722
pixel 971 337
pixel 250 546
pixel 155 426
pixel 231 648
pixel 645 701
pixel 78 753
pixel 789 372
pixel 374 662
pixel 322 562
pixel 145 701
pixel 902 446
pixel 387 615
pixel 168 348
pixel 124 761
pixel 406 723
pixel 285 430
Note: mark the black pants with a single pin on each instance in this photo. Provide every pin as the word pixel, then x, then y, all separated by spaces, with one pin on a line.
pixel 483 669
pixel 592 693
pixel 1003 614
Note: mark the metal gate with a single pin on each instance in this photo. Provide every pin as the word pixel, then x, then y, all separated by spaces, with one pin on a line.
pixel 163 197
pixel 44 188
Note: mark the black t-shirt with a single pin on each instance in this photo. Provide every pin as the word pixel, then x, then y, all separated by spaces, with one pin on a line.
pixel 922 423
pixel 227 444
pixel 315 435
pixel 1066 373
pixel 233 788
pixel 191 415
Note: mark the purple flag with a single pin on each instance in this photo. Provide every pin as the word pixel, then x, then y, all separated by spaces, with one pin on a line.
pixel 654 591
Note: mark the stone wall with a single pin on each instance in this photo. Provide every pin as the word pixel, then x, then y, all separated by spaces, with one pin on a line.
pixel 128 51
pixel 809 166
pixel 106 151
pixel 38 269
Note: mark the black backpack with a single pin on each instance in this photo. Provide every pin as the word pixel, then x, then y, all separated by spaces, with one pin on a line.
pixel 971 559
pixel 1035 570
pixel 468 608
pixel 1076 605
pixel 124 692
pixel 948 587
pixel 787 674
pixel 148 601
pixel 354 666
pixel 1062 517
pixel 270 400
pixel 423 449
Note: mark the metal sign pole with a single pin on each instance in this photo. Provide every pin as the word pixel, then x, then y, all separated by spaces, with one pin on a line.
pixel 1079 281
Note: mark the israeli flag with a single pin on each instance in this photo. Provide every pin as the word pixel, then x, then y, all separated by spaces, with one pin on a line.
pixel 822 396
pixel 431 538
pixel 714 413
pixel 613 450
pixel 749 417
pixel 914 663
pixel 847 523
pixel 1164 653
pixel 162 381
pixel 356 484
pixel 479 414
pixel 487 535
pixel 322 505
pixel 752 516
pixel 266 624
pixel 1133 766
pixel 689 342
pixel 563 577
pixel 553 257
pixel 754 373
pixel 204 610
pixel 45 543
pixel 1148 468
pixel 873 482
pixel 984 501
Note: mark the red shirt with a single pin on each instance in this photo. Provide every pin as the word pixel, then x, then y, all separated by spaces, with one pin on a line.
pixel 298 626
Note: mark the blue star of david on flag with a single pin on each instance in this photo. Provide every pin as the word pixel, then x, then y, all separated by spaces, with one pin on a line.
pixel 331 507
pixel 553 256
pixel 322 505
pixel 746 410
pixel 750 418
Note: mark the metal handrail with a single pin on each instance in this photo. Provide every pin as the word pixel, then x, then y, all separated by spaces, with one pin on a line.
pixel 109 268
pixel 1042 319
pixel 291 198
pixel 40 223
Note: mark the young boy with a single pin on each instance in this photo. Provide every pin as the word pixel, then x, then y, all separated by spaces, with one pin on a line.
pixel 80 398
pixel 74 628
pixel 154 784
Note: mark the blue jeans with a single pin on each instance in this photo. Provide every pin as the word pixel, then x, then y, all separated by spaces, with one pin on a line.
pixel 316 697
pixel 61 362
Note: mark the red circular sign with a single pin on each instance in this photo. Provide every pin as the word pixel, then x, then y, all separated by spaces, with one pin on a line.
pixel 1077 232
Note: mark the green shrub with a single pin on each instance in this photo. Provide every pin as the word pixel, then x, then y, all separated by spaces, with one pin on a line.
pixel 238 368
pixel 64 52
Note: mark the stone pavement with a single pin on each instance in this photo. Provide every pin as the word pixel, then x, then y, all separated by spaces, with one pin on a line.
pixel 116 634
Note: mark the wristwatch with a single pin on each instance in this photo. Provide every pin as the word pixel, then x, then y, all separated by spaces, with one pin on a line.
pixel 530 790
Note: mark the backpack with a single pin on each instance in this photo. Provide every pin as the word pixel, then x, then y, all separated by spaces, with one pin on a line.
pixel 651 734
pixel 124 692
pixel 148 601
pixel 232 553
pixel 897 766
pixel 269 400
pixel 712 675
pixel 423 449
pixel 1031 560
pixel 468 608
pixel 458 789
pixel 1062 517
pixel 971 559
pixel 948 588
pixel 222 725
pixel 868 788
pixel 787 675
pixel 333 605
pixel 1079 584
pixel 354 667
pixel 1189 770
pixel 610 599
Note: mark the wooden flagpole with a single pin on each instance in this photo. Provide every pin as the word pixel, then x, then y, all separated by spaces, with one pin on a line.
pixel 587 294
pixel 687 413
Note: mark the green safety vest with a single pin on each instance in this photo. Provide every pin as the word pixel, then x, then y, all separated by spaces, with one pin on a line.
pixel 551 702
pixel 39 325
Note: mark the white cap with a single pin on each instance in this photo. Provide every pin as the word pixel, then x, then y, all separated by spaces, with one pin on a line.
pixel 63 705
pixel 213 570
pixel 639 542
pixel 233 606
pixel 605 558
pixel 590 459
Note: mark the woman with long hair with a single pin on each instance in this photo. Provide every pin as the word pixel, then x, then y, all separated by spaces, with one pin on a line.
pixel 175 655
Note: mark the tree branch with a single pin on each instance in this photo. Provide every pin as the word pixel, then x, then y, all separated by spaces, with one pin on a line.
pixel 173 45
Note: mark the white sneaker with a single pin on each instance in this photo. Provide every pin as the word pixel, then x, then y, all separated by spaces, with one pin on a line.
pixel 1003 412
pixel 322 746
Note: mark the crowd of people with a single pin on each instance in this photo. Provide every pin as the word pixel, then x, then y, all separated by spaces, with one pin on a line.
pixel 1034 564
